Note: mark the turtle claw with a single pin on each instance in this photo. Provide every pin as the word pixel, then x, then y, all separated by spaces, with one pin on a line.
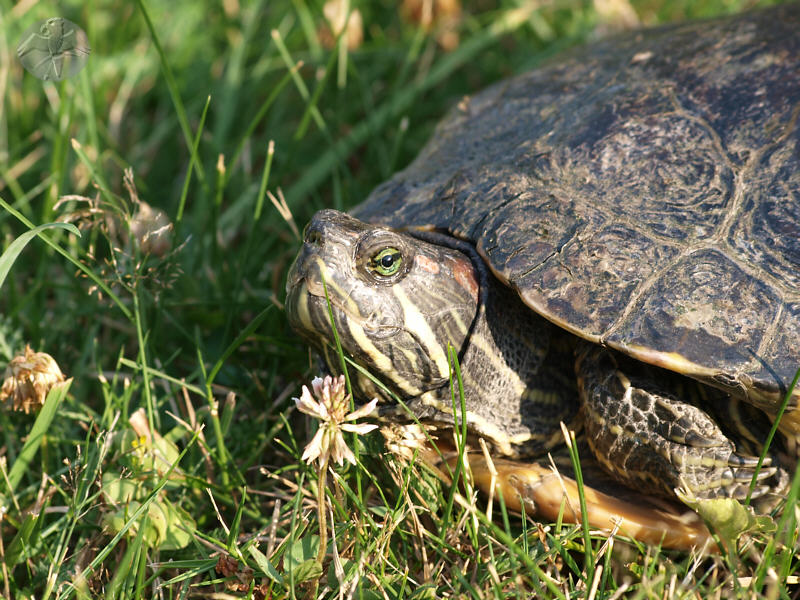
pixel 735 482
pixel 749 462
pixel 694 439
pixel 746 475
pixel 655 432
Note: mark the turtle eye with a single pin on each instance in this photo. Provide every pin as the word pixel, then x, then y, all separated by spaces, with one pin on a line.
pixel 386 262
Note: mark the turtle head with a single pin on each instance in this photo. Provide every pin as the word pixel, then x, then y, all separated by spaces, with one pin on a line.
pixel 397 302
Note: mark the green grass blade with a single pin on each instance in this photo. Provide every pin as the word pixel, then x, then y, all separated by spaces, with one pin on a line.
pixel 82 267
pixel 14 248
pixel 460 428
pixel 172 86
pixel 572 445
pixel 38 431
pixel 773 430
pixel 22 545
pixel 251 327
pixel 193 160
pixel 313 100
pixel 262 112
pixel 120 581
pixel 262 190
pixel 235 526
pixel 96 175
pixel 298 81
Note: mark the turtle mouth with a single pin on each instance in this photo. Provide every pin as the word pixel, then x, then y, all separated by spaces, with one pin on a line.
pixel 310 276
pixel 306 303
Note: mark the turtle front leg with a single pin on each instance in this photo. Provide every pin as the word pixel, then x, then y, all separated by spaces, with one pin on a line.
pixel 643 433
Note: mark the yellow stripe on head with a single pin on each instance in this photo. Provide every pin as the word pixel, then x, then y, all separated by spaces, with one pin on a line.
pixel 381 362
pixel 416 323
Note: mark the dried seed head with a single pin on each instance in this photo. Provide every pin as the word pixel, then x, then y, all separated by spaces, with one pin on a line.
pixel 349 24
pixel 441 16
pixel 28 379
pixel 152 230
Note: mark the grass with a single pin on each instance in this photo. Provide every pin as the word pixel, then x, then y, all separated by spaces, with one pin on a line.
pixel 171 467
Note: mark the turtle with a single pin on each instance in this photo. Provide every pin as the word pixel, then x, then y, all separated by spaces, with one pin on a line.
pixel 611 242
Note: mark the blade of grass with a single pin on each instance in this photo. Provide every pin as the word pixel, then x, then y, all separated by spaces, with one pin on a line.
pixel 58 158
pixel 791 499
pixel 311 106
pixel 309 29
pixel 340 352
pixel 293 531
pixel 119 582
pixel 298 81
pixel 341 47
pixel 262 111
pixel 89 273
pixel 235 71
pixel 14 248
pixel 788 524
pixel 162 375
pixel 23 543
pixel 572 446
pixel 524 558
pixel 775 424
pixel 192 161
pixel 88 105
pixel 172 86
pixel 460 429
pixel 37 434
pixel 141 338
pixel 97 176
pixel 262 190
pixel 238 341
pixel 234 528
pixel 247 250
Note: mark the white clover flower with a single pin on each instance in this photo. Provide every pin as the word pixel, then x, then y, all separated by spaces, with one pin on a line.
pixel 330 407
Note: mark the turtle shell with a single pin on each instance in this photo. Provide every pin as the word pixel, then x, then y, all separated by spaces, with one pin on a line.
pixel 642 192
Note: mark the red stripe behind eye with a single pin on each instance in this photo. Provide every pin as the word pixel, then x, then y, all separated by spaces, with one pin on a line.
pixel 465 276
pixel 427 264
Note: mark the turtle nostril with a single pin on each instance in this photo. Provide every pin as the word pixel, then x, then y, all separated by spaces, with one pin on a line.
pixel 312 236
